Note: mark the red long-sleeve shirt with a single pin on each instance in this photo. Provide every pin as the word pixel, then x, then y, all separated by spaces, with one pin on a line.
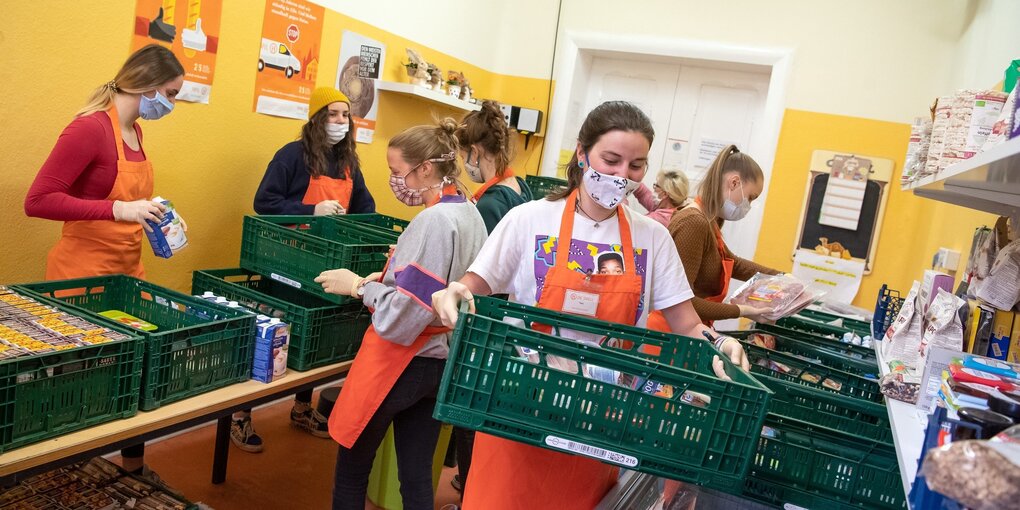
pixel 79 173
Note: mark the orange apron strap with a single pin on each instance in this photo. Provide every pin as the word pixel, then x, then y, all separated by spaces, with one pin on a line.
pixel 327 188
pixel 567 232
pixel 118 136
pixel 727 268
pixel 490 183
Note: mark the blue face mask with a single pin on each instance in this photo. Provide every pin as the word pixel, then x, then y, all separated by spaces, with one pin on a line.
pixel 154 108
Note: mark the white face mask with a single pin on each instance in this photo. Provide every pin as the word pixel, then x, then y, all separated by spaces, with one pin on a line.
pixel 336 132
pixel 734 212
pixel 607 190
pixel 474 170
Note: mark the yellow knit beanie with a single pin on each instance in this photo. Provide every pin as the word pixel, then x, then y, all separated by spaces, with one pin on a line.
pixel 322 97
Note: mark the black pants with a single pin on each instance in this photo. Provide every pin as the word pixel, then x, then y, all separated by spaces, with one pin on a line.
pixel 465 439
pixel 408 406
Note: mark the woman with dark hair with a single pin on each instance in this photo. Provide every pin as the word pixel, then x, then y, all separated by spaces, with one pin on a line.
pixel 319 174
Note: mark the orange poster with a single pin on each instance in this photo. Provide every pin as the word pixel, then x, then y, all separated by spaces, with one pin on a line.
pixel 288 58
pixel 191 29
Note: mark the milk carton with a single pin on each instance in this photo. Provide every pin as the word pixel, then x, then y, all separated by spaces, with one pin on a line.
pixel 271 342
pixel 167 237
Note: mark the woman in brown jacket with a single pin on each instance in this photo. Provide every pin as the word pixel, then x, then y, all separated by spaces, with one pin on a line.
pixel 732 182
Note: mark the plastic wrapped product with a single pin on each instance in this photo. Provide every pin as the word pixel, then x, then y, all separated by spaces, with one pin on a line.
pixel 903 339
pixel 980 475
pixel 940 123
pixel 917 149
pixel 1000 129
pixel 1001 288
pixel 944 328
pixel 901 383
pixel 772 292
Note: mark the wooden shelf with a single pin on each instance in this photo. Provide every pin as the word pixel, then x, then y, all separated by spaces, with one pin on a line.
pixel 424 93
pixel 989 181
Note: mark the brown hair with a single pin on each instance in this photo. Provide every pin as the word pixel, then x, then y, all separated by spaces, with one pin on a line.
pixel 675 185
pixel 319 152
pixel 436 142
pixel 606 117
pixel 487 127
pixel 143 71
pixel 710 190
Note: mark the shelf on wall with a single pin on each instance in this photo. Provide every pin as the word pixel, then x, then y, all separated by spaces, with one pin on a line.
pixel 989 181
pixel 428 94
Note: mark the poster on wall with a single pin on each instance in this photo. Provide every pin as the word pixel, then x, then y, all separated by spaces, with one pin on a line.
pixel 704 155
pixel 191 29
pixel 288 59
pixel 844 195
pixel 359 68
pixel 841 277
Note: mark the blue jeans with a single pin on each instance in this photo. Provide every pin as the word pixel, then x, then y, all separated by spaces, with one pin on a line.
pixel 408 406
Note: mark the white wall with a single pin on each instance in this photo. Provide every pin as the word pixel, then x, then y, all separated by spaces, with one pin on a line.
pixel 988 44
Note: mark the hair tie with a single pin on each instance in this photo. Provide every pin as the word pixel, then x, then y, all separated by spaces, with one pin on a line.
pixel 112 85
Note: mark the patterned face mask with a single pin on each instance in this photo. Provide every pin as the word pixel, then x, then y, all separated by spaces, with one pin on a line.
pixel 413 197
pixel 607 190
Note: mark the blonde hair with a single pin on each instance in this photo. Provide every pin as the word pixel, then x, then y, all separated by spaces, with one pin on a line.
pixel 675 185
pixel 710 191
pixel 143 71
pixel 432 142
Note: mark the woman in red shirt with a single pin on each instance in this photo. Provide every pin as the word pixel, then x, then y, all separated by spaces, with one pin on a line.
pixel 98 181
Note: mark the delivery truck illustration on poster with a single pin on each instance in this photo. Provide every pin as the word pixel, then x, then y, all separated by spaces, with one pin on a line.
pixel 277 56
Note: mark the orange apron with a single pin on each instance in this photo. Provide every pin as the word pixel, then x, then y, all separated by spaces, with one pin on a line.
pixel 102 247
pixel 510 475
pixel 327 188
pixel 657 321
pixel 376 368
pixel 490 183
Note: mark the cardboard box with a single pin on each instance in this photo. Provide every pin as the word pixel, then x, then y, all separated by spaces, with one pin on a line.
pixel 1014 344
pixel 1002 330
pixel 930 285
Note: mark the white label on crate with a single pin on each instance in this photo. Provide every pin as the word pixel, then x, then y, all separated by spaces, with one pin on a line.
pixel 284 279
pixel 162 301
pixel 591 451
pixel 790 506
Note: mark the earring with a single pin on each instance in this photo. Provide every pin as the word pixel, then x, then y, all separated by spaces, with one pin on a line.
pixel 580 164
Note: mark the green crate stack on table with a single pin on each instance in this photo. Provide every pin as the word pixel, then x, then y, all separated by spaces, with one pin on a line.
pixel 827 441
pixel 542 185
pixel 191 346
pixel 501 379
pixel 61 371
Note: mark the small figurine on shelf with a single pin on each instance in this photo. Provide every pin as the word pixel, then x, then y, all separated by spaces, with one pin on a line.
pixel 417 69
pixel 465 90
pixel 436 78
pixel 454 82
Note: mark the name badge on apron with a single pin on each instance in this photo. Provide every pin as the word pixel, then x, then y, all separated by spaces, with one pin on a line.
pixel 581 303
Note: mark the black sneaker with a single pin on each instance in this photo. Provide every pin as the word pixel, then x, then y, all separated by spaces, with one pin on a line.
pixel 243 435
pixel 310 421
pixel 458 483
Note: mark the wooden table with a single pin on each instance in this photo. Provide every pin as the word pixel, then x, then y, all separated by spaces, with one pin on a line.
pixel 27 461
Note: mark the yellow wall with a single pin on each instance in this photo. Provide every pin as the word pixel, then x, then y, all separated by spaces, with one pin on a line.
pixel 913 228
pixel 209 159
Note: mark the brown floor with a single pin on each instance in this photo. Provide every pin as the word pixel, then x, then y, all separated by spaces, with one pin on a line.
pixel 276 478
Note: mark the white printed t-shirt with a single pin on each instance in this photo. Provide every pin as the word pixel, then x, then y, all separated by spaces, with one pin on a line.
pixel 522 248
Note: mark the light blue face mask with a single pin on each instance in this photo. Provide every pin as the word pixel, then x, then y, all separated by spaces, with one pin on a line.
pixel 154 108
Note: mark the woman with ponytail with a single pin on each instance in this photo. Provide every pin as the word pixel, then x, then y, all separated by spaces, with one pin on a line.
pixel 396 373
pixel 487 149
pixel 98 181
pixel 732 182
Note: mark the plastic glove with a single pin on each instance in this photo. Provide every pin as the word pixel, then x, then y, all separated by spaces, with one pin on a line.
pixel 755 314
pixel 328 207
pixel 139 211
pixel 337 281
pixel 446 303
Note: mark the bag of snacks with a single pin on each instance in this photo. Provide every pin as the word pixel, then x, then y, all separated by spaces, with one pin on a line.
pixel 981 475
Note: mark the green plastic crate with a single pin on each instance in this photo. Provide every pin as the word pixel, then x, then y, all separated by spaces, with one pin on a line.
pixel 860 327
pixel 321 332
pixel 199 346
pixel 542 186
pixel 845 383
pixel 852 416
pixel 817 463
pixel 488 387
pixel 817 336
pixel 779 496
pixel 388 224
pixel 296 249
pixel 48 395
pixel 830 357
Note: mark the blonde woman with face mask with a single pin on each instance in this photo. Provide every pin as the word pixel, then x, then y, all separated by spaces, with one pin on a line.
pixel 732 182
pixel 670 192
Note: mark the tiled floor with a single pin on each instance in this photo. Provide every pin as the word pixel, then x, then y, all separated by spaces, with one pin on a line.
pixel 294 471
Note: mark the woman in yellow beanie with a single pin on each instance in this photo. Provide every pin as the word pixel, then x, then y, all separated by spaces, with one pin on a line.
pixel 318 174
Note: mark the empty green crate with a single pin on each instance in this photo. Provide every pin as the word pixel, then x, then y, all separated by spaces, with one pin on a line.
pixel 487 386
pixel 780 496
pixel 199 346
pixel 812 374
pixel 320 332
pixel 388 224
pixel 542 186
pixel 824 354
pixel 852 416
pixel 860 327
pixel 296 249
pixel 815 463
pixel 51 394
pixel 817 335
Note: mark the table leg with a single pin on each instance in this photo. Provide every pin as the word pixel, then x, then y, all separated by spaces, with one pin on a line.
pixel 222 448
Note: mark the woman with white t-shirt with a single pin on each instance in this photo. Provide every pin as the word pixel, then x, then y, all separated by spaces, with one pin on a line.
pixel 611 157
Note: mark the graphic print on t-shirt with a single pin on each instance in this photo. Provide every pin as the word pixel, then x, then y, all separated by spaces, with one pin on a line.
pixel 587 258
